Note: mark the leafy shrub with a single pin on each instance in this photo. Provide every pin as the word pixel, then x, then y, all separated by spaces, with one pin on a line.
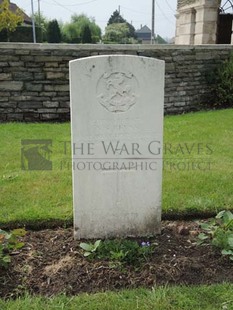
pixel 21 34
pixel 219 232
pixel 121 250
pixel 222 81
pixel 53 32
pixel 8 243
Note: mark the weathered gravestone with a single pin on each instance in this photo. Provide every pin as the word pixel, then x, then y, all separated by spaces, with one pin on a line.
pixel 117 130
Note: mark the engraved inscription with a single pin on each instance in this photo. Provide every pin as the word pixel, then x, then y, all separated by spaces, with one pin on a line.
pixel 117 91
pixel 117 127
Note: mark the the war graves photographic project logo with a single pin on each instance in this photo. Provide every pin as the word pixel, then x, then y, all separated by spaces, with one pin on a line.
pixel 36 154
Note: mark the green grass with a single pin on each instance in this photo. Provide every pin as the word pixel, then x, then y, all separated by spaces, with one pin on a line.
pixel 197 190
pixel 214 297
pixel 43 195
pixel 34 195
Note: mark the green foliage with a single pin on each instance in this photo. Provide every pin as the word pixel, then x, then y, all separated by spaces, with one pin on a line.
pixel 168 297
pixel 118 30
pixel 41 22
pixel 221 81
pixel 120 250
pixel 8 19
pixel 116 18
pixel 21 34
pixel 132 32
pixel 86 35
pixel 73 32
pixel 53 32
pixel 118 33
pixel 160 40
pixel 219 232
pixel 90 248
pixel 8 243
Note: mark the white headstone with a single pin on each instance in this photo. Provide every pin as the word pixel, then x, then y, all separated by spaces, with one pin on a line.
pixel 117 135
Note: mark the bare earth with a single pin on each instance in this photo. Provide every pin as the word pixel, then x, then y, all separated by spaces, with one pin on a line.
pixel 51 262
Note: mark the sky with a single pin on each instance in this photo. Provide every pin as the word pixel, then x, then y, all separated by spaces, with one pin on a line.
pixel 137 12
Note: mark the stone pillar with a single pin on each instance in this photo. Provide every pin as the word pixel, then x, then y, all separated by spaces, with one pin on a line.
pixel 185 26
pixel 197 21
pixel 177 28
pixel 206 22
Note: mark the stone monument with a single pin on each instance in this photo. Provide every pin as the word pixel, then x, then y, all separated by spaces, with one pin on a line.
pixel 204 22
pixel 117 135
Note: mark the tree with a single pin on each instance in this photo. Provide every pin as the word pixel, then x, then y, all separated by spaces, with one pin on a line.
pixel 53 32
pixel 9 20
pixel 73 32
pixel 132 32
pixel 117 33
pixel 86 35
pixel 160 40
pixel 42 23
pixel 116 18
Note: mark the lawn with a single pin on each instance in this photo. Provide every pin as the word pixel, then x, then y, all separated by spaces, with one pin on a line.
pixel 213 297
pixel 198 165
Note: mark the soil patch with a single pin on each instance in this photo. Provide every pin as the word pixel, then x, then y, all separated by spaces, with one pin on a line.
pixel 52 262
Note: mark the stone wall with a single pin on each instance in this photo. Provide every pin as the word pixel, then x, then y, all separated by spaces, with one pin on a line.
pixel 34 78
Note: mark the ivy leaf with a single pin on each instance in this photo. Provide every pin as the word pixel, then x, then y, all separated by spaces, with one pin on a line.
pixel 227 217
pixel 86 246
pixel 220 214
pixel 96 245
pixel 230 241
pixel 205 226
pixel 6 259
pixel 202 236
pixel 227 252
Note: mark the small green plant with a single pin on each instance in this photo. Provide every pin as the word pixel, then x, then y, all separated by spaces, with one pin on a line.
pixel 9 241
pixel 90 248
pixel 219 231
pixel 119 250
pixel 222 81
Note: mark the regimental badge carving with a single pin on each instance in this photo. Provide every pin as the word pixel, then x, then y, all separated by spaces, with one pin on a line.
pixel 117 91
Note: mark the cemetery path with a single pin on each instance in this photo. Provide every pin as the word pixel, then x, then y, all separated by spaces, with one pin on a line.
pixel 51 262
